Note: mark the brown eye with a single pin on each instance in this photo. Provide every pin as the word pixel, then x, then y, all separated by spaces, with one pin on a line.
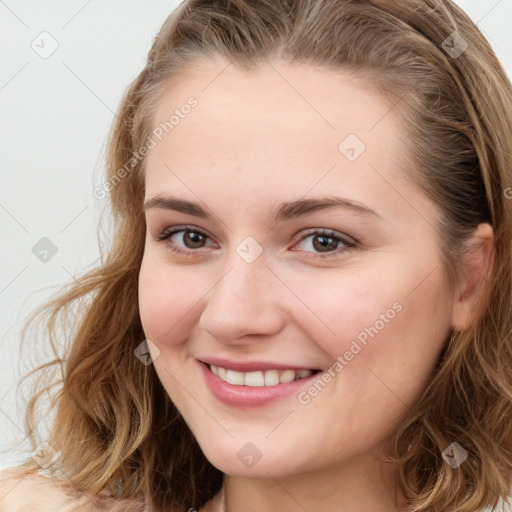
pixel 183 239
pixel 192 239
pixel 324 243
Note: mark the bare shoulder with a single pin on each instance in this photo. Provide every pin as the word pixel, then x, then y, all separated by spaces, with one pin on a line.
pixel 22 492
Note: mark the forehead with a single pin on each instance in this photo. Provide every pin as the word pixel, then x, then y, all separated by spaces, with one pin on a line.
pixel 306 102
pixel 281 128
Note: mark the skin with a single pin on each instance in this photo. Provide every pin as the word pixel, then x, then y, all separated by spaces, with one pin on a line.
pixel 253 141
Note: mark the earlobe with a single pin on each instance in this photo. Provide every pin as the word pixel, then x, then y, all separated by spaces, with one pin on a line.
pixel 476 264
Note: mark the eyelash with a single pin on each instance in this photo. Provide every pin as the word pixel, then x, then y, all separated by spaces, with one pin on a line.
pixel 349 243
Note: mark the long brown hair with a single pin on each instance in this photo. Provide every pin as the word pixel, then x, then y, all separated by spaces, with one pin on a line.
pixel 116 429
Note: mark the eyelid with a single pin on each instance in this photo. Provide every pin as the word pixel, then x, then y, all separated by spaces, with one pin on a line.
pixel 166 233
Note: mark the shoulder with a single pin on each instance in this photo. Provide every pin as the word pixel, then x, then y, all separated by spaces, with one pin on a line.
pixel 23 492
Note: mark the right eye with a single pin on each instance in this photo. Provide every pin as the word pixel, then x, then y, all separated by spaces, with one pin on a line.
pixel 183 239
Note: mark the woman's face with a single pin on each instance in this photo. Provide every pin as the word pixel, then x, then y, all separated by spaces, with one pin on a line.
pixel 269 280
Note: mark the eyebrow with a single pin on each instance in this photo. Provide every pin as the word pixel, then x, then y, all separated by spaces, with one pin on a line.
pixel 283 211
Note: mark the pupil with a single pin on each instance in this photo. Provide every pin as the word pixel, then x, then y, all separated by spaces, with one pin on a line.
pixel 324 244
pixel 195 239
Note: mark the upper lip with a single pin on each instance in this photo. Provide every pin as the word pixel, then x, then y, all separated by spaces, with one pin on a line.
pixel 251 366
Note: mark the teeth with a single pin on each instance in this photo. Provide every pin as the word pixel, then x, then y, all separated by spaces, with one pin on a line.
pixel 253 379
pixel 259 379
pixel 287 376
pixel 271 378
pixel 236 378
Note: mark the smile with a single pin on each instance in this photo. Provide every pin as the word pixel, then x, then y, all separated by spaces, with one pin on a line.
pixel 259 378
pixel 253 384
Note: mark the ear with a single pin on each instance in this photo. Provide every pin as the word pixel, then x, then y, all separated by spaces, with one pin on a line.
pixel 477 262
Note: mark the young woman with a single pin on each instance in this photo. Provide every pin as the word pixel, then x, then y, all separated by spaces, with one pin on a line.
pixel 306 303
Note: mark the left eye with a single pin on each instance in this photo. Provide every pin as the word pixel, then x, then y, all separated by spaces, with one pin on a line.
pixel 324 241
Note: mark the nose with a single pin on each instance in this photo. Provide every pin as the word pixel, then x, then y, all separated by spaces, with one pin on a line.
pixel 247 301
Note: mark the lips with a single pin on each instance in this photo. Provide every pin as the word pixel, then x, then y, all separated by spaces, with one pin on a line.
pixel 253 383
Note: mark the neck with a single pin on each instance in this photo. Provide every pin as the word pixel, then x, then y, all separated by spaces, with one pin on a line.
pixel 358 486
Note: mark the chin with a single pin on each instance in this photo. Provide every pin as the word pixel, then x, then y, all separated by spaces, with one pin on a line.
pixel 251 459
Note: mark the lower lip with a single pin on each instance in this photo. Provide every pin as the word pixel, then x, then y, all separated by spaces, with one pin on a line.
pixel 250 396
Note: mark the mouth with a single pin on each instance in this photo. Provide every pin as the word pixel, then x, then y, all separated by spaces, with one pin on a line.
pixel 260 378
pixel 260 384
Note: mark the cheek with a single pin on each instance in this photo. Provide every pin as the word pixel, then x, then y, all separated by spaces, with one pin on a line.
pixel 395 314
pixel 167 298
pixel 386 336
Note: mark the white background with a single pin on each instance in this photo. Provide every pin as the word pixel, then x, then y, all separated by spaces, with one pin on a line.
pixel 56 114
